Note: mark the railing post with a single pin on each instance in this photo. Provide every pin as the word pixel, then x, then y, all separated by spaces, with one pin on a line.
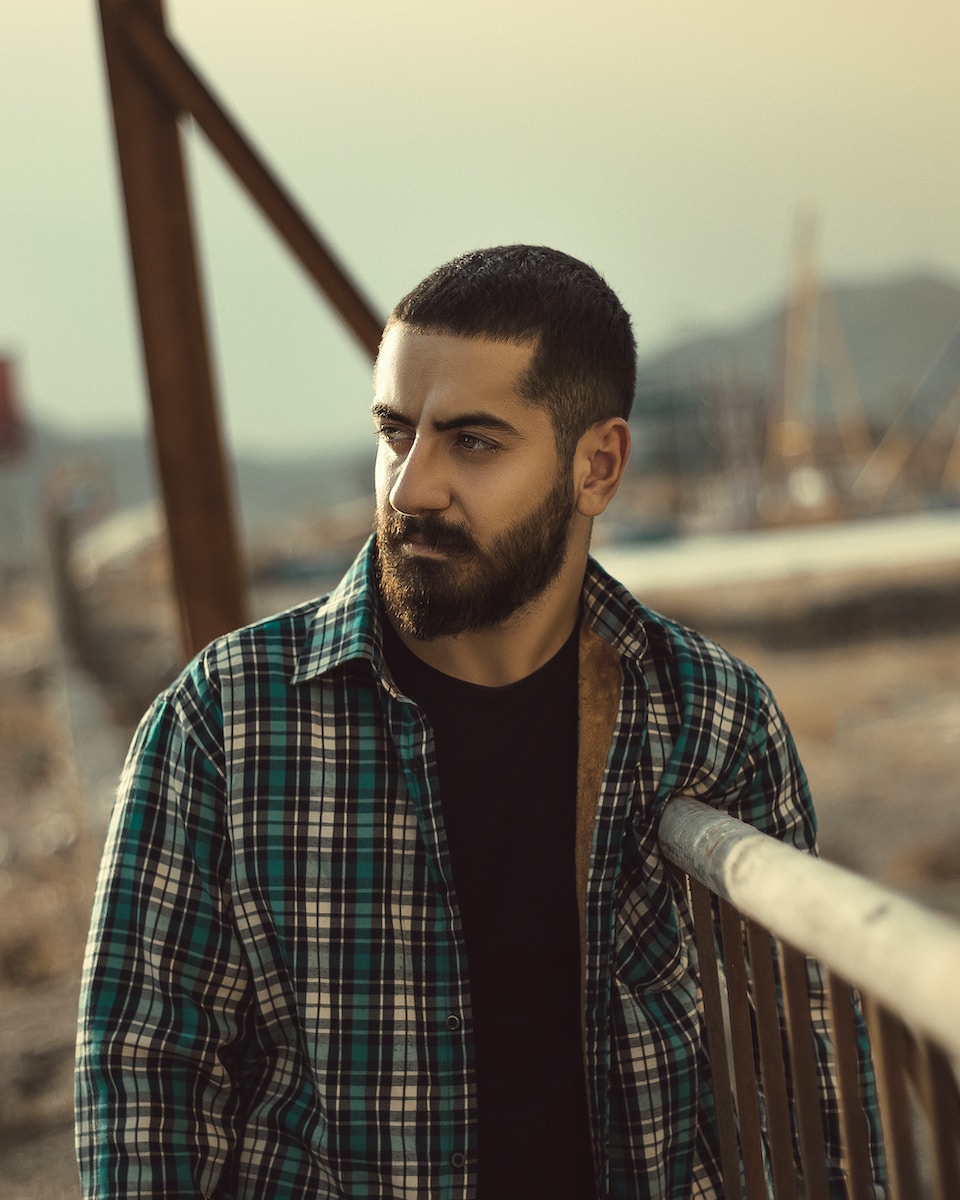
pixel 796 993
pixel 742 1048
pixel 889 1052
pixel 769 1020
pixel 713 1010
pixel 843 1018
pixel 940 1104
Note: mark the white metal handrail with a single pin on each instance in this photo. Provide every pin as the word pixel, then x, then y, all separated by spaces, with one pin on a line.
pixel 907 956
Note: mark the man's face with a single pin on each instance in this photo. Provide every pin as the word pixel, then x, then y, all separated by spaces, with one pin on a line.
pixel 473 507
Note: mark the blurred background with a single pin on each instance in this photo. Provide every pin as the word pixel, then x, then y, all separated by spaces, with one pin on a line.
pixel 772 190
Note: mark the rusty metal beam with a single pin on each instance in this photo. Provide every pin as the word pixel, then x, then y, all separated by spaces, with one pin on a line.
pixel 170 71
pixel 209 577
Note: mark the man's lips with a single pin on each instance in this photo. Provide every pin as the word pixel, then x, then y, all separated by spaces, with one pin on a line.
pixel 414 538
pixel 415 544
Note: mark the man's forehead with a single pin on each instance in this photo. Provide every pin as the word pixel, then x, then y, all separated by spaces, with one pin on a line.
pixel 412 359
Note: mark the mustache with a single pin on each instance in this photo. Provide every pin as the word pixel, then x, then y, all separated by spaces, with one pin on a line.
pixel 397 528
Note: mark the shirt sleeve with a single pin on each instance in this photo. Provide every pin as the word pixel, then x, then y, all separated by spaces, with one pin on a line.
pixel 165 989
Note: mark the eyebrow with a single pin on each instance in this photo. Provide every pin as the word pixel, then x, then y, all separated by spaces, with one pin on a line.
pixel 478 420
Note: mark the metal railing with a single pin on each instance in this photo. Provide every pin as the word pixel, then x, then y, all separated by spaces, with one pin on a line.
pixel 761 909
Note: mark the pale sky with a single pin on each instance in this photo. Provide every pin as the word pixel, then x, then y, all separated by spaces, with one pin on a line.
pixel 672 145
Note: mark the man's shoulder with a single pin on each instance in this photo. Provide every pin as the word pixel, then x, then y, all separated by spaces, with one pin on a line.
pixel 288 640
pixel 264 644
pixel 675 655
pixel 250 659
pixel 683 644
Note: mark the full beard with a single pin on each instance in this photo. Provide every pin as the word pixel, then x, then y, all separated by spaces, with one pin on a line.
pixel 470 589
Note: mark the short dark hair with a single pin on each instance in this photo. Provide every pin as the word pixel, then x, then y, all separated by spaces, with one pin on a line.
pixel 584 368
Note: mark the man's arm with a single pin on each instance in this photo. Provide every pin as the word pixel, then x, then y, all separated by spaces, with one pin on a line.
pixel 162 1004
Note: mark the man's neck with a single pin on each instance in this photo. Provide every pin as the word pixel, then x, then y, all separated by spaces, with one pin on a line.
pixel 515 649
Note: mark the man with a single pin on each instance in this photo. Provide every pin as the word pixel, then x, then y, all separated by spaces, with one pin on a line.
pixel 382 911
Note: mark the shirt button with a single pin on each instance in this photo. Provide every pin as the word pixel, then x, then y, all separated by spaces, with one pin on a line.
pixel 458 1160
pixel 453 1021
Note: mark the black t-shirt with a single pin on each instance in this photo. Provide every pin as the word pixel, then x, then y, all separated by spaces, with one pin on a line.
pixel 507 761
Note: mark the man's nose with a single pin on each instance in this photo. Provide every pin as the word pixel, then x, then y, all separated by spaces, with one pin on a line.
pixel 420 484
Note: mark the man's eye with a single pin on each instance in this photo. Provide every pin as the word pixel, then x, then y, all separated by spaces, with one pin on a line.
pixel 471 441
pixel 394 435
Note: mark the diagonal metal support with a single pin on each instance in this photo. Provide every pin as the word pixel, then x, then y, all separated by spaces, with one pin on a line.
pixel 169 70
pixel 152 84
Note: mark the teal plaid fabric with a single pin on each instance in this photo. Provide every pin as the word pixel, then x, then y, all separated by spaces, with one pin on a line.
pixel 275 1000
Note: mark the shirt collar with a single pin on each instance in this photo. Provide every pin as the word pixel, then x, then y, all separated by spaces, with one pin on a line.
pixel 347 623
pixel 613 612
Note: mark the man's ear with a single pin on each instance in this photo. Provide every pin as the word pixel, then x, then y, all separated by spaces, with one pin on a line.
pixel 599 462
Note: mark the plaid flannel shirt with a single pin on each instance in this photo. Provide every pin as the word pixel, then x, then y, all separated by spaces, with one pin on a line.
pixel 275 998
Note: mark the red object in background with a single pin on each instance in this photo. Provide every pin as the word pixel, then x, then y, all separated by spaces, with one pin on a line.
pixel 13 429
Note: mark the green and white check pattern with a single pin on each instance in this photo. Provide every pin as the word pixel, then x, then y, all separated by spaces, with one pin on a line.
pixel 275 1001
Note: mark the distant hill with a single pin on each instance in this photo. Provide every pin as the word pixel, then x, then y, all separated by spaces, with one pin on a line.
pixel 893 332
